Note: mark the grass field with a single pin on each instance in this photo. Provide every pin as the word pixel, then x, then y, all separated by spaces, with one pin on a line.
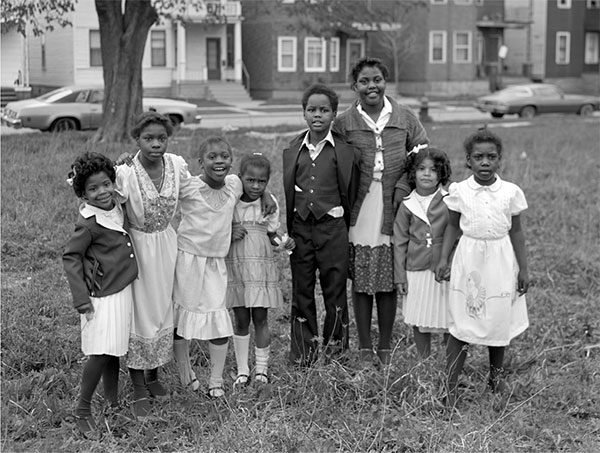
pixel 553 368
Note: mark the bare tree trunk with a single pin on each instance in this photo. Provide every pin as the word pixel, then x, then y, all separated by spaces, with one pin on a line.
pixel 123 36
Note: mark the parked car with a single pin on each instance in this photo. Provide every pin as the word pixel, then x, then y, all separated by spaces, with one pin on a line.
pixel 536 98
pixel 75 107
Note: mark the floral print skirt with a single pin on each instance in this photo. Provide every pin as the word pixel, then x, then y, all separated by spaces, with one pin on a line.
pixel 371 252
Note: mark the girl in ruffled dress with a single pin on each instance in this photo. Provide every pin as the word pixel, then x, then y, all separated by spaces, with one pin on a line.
pixel 203 239
pixel 253 276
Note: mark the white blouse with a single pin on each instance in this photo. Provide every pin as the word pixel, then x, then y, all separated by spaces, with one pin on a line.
pixel 486 211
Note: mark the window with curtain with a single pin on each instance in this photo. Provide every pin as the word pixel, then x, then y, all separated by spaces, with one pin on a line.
pixel 158 44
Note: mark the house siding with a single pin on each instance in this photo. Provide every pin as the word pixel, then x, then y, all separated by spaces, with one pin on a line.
pixel 60 59
pixel 565 20
pixel 12 57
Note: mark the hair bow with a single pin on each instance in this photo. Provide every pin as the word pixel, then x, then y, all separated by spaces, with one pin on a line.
pixel 416 149
pixel 71 176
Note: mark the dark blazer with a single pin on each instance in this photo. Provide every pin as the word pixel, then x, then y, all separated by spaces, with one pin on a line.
pixel 348 172
pixel 413 229
pixel 94 247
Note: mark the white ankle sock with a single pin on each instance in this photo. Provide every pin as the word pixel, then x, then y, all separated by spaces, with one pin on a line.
pixel 241 345
pixel 262 359
pixel 217 352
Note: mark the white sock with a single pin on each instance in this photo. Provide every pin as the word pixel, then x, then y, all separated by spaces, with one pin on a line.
pixel 181 347
pixel 217 352
pixel 241 345
pixel 262 359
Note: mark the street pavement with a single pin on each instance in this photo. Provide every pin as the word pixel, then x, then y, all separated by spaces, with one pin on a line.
pixel 261 115
pixel 257 114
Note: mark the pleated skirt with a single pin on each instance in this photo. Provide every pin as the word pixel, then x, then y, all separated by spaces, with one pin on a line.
pixel 426 303
pixel 108 331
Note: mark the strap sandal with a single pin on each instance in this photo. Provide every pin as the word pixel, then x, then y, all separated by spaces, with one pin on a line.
pixel 261 377
pixel 242 380
pixel 194 384
pixel 216 392
pixel 87 426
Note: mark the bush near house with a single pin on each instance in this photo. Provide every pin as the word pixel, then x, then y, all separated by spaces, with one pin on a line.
pixel 553 368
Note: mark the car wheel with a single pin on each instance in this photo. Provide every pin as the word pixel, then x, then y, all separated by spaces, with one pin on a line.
pixel 496 115
pixel 586 110
pixel 527 112
pixel 176 120
pixel 64 124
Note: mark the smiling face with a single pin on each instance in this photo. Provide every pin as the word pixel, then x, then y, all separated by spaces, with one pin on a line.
pixel 99 190
pixel 484 161
pixel 318 115
pixel 152 143
pixel 370 86
pixel 216 163
pixel 426 177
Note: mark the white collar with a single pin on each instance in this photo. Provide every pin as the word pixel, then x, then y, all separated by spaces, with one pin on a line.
pixel 328 138
pixel 102 216
pixel 478 187
pixel 413 205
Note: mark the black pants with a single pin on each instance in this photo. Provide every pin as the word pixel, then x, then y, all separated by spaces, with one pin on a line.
pixel 320 245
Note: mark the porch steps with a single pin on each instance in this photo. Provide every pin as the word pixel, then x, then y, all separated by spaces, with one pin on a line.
pixel 7 94
pixel 228 93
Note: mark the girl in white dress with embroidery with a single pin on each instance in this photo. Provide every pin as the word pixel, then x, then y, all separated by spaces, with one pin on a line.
pixel 149 187
pixel 418 233
pixel 488 276
pixel 253 275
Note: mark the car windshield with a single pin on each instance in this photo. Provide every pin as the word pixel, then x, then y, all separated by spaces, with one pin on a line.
pixel 55 95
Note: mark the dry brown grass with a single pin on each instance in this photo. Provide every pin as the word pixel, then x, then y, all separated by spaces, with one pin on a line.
pixel 553 368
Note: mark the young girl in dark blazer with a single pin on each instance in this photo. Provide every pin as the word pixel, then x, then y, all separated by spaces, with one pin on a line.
pixel 418 235
pixel 100 264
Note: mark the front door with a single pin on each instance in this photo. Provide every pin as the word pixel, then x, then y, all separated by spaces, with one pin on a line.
pixel 213 58
pixel 355 49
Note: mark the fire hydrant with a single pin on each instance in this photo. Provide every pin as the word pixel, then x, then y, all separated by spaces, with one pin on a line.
pixel 424 111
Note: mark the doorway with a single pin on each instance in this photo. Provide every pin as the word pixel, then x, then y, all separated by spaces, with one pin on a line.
pixel 213 58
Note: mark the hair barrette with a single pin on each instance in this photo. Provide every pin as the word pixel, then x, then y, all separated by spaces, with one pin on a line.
pixel 257 154
pixel 416 149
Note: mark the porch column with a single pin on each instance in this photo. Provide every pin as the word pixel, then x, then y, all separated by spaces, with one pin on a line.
pixel 181 52
pixel 237 50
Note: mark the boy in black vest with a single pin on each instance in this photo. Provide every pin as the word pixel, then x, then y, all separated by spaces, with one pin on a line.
pixel 320 176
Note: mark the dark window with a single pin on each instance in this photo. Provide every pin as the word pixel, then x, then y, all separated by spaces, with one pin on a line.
pixel 158 45
pixel 95 51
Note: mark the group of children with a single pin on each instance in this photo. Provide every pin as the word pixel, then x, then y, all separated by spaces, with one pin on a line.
pixel 144 290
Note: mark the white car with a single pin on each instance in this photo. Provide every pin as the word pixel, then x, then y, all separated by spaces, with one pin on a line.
pixel 78 108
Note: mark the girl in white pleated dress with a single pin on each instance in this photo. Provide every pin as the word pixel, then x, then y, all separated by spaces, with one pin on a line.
pixel 418 234
pixel 488 276
pixel 100 265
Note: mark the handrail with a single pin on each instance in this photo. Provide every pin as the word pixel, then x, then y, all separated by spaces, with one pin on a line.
pixel 246 82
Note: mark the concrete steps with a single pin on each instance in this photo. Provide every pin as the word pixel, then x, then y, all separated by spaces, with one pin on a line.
pixel 7 94
pixel 228 93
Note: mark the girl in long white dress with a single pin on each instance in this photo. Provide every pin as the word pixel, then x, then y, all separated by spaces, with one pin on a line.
pixel 488 276
pixel 150 190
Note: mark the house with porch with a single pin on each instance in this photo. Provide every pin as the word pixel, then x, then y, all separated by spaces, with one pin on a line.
pixel 195 56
